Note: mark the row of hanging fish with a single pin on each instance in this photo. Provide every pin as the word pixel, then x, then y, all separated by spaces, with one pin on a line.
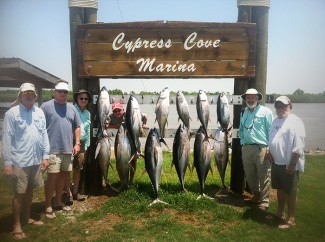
pixel 127 146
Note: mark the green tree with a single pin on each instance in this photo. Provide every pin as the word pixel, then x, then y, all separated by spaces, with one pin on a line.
pixel 298 92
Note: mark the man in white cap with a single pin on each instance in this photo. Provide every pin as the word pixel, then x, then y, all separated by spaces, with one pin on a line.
pixel 287 143
pixel 63 126
pixel 254 128
pixel 25 152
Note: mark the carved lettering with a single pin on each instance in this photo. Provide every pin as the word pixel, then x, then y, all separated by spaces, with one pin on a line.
pixel 131 46
pixel 190 42
pixel 149 65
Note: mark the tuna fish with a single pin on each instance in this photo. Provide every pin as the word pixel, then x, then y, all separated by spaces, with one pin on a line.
pixel 202 158
pixel 153 161
pixel 221 155
pixel 103 152
pixel 162 110
pixel 122 149
pixel 223 111
pixel 133 125
pixel 202 109
pixel 182 109
pixel 103 105
pixel 181 153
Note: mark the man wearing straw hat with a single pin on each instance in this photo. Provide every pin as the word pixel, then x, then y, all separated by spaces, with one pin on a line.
pixel 25 153
pixel 254 128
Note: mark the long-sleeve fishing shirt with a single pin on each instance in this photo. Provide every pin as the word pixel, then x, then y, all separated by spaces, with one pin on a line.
pixel 255 126
pixel 25 141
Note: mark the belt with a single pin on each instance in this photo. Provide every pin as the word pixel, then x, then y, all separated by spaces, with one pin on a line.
pixel 260 146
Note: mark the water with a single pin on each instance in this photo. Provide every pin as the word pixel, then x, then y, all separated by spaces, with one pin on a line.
pixel 312 114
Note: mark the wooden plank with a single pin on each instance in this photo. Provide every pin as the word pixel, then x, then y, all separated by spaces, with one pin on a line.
pixel 203 69
pixel 207 49
pixel 104 52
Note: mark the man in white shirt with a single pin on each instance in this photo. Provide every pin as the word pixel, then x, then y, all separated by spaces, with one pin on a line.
pixel 286 151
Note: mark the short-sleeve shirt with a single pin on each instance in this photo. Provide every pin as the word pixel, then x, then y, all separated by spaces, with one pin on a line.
pixel 85 126
pixel 287 136
pixel 61 121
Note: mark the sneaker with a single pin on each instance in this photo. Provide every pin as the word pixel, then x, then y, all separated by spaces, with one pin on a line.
pixel 78 197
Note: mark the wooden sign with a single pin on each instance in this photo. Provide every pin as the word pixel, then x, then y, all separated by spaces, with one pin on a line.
pixel 167 50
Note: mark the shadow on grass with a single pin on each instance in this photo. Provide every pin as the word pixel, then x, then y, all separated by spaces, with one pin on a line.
pixel 256 214
pixel 6 222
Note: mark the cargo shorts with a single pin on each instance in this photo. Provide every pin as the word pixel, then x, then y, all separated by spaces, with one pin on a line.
pixel 23 177
pixel 59 162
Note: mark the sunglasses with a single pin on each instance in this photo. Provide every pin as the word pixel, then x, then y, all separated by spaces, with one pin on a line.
pixel 62 91
pixel 28 92
pixel 83 98
pixel 117 111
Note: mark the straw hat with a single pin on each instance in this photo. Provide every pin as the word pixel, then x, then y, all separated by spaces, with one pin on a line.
pixel 252 91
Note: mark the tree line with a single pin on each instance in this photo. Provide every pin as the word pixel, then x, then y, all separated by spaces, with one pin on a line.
pixel 298 96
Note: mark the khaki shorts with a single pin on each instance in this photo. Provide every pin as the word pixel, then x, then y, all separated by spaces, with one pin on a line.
pixel 24 177
pixel 59 162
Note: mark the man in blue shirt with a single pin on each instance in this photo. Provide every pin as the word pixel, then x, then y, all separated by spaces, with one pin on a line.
pixel 255 123
pixel 25 153
pixel 63 126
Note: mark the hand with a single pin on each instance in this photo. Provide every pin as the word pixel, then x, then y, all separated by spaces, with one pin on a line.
pixel 76 149
pixel 8 170
pixel 269 156
pixel 291 169
pixel 45 165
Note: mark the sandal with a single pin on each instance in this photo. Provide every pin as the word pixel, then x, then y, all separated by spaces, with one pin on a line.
pixel 19 235
pixel 35 222
pixel 50 214
pixel 287 225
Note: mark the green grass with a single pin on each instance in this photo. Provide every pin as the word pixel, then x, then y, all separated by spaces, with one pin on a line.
pixel 126 216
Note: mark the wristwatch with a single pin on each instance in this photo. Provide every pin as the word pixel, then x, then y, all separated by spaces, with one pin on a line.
pixel 78 143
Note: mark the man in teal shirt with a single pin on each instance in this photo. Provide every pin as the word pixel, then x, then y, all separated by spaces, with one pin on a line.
pixel 254 130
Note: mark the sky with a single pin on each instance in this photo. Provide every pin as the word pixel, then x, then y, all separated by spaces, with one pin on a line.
pixel 37 31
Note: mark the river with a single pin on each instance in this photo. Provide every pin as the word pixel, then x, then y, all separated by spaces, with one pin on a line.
pixel 310 113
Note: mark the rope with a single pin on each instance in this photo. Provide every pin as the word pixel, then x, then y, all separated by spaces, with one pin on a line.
pixel 119 8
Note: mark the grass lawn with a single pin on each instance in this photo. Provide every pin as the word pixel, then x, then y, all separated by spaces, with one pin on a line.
pixel 127 217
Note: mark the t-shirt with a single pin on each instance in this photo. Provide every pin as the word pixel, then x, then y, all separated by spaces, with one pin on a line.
pixel 287 135
pixel 61 122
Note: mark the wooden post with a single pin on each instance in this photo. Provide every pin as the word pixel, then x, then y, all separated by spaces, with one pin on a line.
pixel 258 15
pixel 78 16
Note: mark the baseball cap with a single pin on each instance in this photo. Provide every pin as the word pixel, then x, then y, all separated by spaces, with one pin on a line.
pixel 117 105
pixel 284 99
pixel 62 86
